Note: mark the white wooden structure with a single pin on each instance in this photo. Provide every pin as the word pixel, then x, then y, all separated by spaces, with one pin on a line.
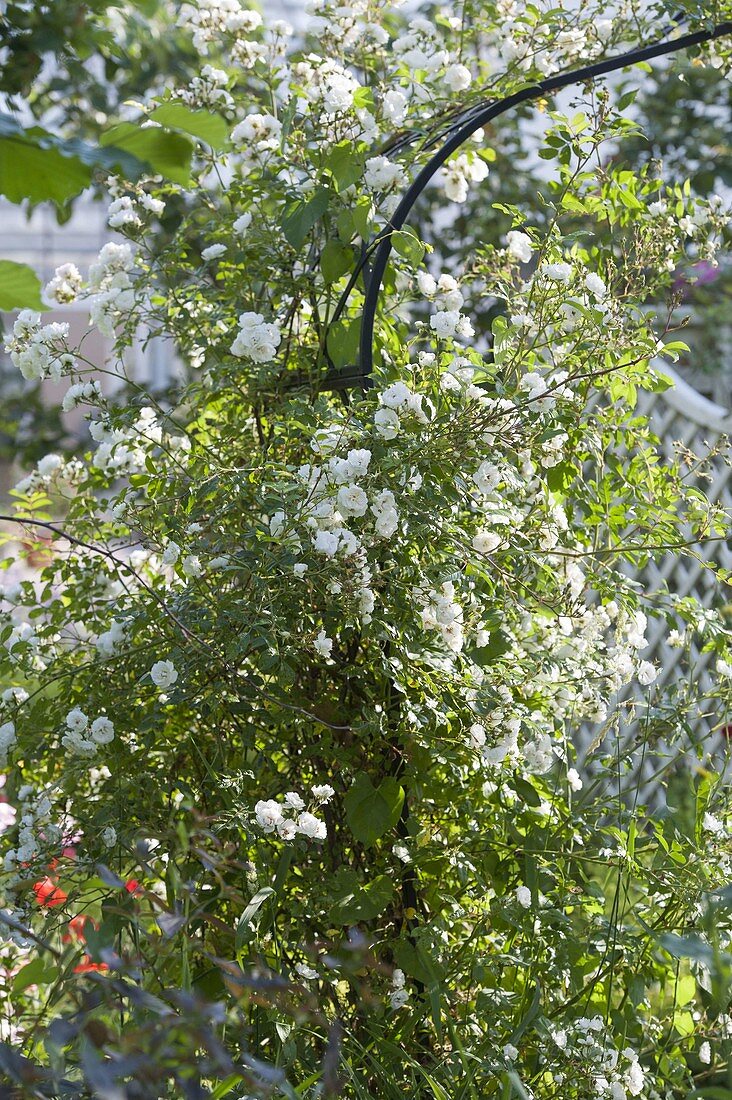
pixel 680 415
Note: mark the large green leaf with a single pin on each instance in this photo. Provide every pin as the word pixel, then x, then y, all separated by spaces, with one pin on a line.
pixel 20 287
pixel 416 961
pixel 301 215
pixel 166 153
pixel 345 163
pixel 342 342
pixel 39 172
pixel 408 245
pixel 210 128
pixel 39 166
pixel 370 810
pixel 335 261
pixel 36 972
pixel 362 902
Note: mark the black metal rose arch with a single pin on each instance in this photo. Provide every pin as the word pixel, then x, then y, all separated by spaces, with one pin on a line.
pixel 459 130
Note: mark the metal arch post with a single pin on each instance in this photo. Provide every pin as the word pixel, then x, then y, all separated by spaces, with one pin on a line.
pixel 458 133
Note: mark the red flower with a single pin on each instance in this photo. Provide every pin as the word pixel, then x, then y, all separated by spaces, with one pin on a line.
pixel 86 965
pixel 132 886
pixel 75 933
pixel 49 894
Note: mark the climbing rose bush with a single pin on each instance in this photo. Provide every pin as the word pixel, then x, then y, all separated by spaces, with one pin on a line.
pixel 291 804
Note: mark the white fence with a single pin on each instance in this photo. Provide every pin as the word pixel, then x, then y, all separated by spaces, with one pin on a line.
pixel 679 415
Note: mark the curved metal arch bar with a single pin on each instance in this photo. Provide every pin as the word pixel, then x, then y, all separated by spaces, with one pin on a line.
pixel 458 133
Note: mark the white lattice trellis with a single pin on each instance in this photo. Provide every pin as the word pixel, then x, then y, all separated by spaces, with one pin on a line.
pixel 681 415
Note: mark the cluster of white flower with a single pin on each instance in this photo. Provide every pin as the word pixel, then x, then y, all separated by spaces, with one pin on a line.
pixel 24 642
pixel 596 649
pixel 345 25
pixel 65 285
pixel 271 52
pixel 209 20
pixel 122 214
pixel 127 211
pixel 208 91
pixel 614 1074
pixel 83 739
pixel 111 285
pixel 120 450
pixel 397 403
pixel 450 324
pixel 256 136
pixel 242 223
pixel 457 377
pixel 256 339
pixel 39 351
pixel 333 497
pixel 326 84
pixel 458 77
pixel 290 818
pixel 108 641
pixel 35 831
pixel 81 393
pixel 419 49
pixel 444 614
pixel 526 46
pixel 523 896
pixel 8 738
pixel 459 172
pixel 124 450
pixel 394 106
pixel 213 252
pixel 519 246
pixel 399 994
pixel 51 471
pixel 383 174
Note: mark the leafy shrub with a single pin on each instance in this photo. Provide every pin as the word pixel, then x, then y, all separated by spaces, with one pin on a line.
pixel 291 802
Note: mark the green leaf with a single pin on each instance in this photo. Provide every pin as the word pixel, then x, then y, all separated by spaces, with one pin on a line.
pixel 685 989
pixel 408 245
pixel 39 173
pixel 713 1092
pixel 301 216
pixel 627 99
pixel 20 287
pixel 210 128
pixel 687 947
pixel 166 153
pixel 561 476
pixel 345 226
pixel 255 904
pixel 526 791
pixel 226 1087
pixel 437 1090
pixel 335 261
pixel 342 342
pixel 364 97
pixel 498 644
pixel 363 902
pixel 361 214
pixel 34 973
pixel 415 961
pixel 345 164
pixel 517 1087
pixel 684 1023
pixel 370 810
pixel 530 1015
